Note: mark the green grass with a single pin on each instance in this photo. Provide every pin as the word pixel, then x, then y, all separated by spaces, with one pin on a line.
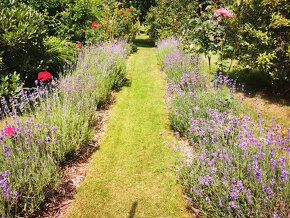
pixel 130 174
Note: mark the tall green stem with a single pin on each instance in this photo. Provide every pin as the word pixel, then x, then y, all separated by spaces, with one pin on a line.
pixel 209 66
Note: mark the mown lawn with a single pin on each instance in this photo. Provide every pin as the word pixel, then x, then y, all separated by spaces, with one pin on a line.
pixel 130 174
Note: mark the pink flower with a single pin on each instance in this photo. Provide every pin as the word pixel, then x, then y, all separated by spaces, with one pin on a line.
pixel 230 14
pixel 222 11
pixel 225 12
pixel 79 45
pixel 214 14
pixel 9 130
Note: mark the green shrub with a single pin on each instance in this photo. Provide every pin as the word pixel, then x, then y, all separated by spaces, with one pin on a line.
pixel 58 54
pixel 10 84
pixel 21 39
pixel 253 80
pixel 170 17
pixel 260 33
pixel 73 22
pixel 143 6
pixel 134 48
pixel 117 21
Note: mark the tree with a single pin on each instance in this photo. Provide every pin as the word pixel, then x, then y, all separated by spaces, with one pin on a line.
pixel 142 5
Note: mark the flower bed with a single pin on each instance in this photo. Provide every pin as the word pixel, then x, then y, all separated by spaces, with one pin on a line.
pixel 53 122
pixel 240 167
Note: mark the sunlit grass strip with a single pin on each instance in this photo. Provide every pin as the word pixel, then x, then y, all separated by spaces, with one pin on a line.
pixel 130 174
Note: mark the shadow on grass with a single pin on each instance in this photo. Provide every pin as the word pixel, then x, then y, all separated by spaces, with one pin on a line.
pixel 127 82
pixel 257 83
pixel 133 209
pixel 146 43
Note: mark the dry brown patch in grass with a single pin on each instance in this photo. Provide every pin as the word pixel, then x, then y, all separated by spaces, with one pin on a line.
pixel 270 109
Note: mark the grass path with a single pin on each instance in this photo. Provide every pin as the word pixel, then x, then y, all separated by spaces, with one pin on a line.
pixel 129 176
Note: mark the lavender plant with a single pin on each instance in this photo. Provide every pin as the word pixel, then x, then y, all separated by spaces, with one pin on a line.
pixel 41 128
pixel 240 166
pixel 166 46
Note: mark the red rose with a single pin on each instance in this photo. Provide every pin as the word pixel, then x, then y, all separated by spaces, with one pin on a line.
pixel 130 10
pixel 44 76
pixel 122 12
pixel 79 45
pixel 9 130
pixel 126 15
pixel 94 24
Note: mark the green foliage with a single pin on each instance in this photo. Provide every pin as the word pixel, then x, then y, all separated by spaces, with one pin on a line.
pixel 116 21
pixel 142 5
pixel 52 7
pixel 68 18
pixel 204 34
pixel 134 48
pixel 263 39
pixel 78 16
pixel 253 80
pixel 21 39
pixel 170 17
pixel 10 84
pixel 59 53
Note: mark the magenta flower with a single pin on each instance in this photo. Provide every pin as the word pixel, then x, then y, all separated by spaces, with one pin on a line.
pixel 223 11
pixel 9 131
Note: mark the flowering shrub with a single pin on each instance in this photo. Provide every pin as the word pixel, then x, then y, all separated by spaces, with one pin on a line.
pixel 223 11
pixel 94 24
pixel 240 164
pixel 26 170
pixel 259 33
pixel 166 46
pixel 57 121
pixel 116 21
pixel 21 39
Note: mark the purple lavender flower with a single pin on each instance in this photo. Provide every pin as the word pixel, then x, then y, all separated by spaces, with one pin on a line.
pixel 232 204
